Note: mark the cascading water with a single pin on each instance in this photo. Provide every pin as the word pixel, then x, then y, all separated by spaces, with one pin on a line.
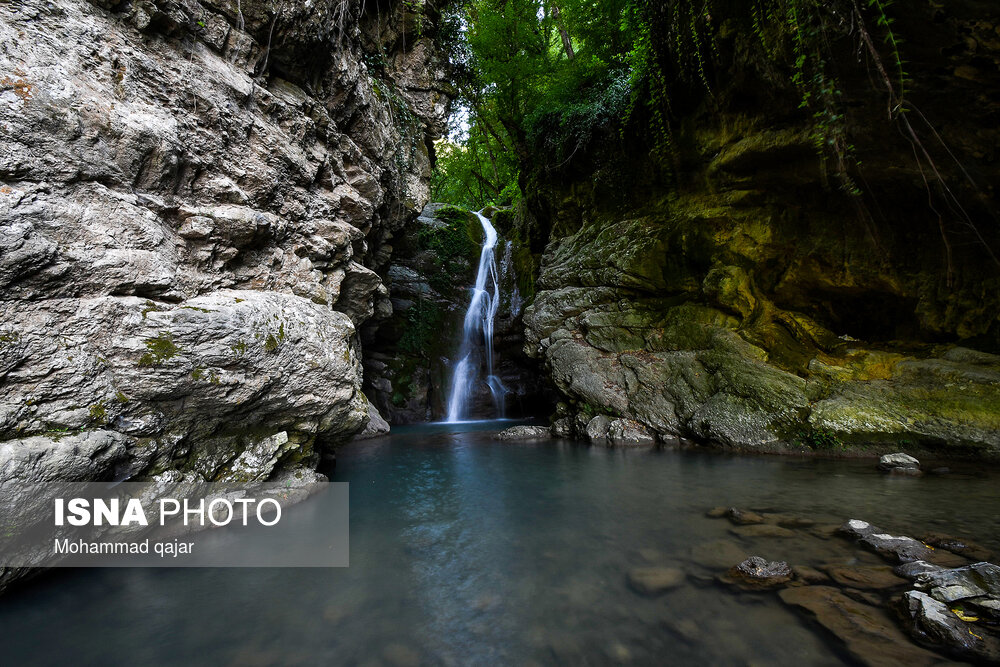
pixel 478 324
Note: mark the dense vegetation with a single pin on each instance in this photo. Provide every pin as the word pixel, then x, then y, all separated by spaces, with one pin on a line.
pixel 538 80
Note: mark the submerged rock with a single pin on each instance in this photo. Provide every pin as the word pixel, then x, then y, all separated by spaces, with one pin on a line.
pixel 867 632
pixel 718 554
pixel 866 577
pixel 762 530
pixel 957 545
pixel 655 580
pixel 524 433
pixel 743 517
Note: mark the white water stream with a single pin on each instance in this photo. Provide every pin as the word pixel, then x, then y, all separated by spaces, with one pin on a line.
pixel 477 335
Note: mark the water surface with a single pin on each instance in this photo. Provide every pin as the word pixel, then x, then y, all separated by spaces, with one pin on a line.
pixel 465 550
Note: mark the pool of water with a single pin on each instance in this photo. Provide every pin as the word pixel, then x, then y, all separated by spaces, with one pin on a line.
pixel 465 550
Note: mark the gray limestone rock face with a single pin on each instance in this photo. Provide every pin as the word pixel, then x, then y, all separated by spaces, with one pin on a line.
pixel 196 203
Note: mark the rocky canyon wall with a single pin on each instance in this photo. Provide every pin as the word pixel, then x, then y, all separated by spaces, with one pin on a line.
pixel 195 200
pixel 731 293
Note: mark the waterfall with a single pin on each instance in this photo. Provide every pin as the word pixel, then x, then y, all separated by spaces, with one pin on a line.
pixel 478 320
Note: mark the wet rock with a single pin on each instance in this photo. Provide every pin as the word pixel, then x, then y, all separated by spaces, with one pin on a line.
pixel 901 548
pixel 654 581
pixel 524 433
pixel 597 428
pixel 932 622
pixel 376 425
pixel 743 517
pixel 979 582
pixel 958 546
pixel 762 530
pixel 899 463
pixel 562 428
pixel 866 632
pixel 915 568
pixel 630 433
pixel 756 573
pixel 866 577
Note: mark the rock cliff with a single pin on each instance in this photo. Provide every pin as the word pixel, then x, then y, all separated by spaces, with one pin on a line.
pixel 732 294
pixel 195 199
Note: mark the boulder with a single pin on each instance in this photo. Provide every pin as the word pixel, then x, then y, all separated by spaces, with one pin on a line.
pixel 597 428
pixel 756 573
pixel 524 433
pixel 932 622
pixel 900 548
pixel 630 433
pixel 899 463
pixel 977 585
pixel 375 427
pixel 915 568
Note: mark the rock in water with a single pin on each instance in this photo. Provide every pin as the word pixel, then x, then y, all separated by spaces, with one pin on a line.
pixel 524 433
pixel 375 427
pixel 630 433
pixel 901 548
pixel 899 463
pixel 655 580
pixel 866 577
pixel 932 622
pixel 757 573
pixel 597 428
pixel 976 585
pixel 743 517
pixel 867 632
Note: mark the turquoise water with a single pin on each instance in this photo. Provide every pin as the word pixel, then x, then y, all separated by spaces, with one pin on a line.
pixel 465 550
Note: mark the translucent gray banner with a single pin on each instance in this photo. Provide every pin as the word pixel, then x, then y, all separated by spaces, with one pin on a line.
pixel 174 523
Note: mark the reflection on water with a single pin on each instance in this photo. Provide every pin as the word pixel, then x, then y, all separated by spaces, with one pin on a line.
pixel 469 551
